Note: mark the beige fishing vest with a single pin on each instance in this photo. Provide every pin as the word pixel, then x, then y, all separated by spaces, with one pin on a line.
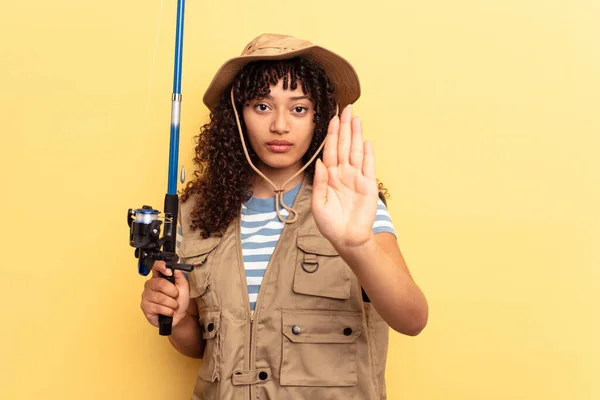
pixel 311 336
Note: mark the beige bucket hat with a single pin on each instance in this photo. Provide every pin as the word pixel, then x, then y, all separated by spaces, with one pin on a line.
pixel 282 47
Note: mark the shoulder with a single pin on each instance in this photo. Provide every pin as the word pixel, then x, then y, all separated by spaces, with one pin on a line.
pixel 186 207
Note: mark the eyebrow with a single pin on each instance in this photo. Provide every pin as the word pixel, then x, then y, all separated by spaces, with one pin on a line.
pixel 296 98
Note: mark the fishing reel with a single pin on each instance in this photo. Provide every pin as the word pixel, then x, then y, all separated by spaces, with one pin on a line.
pixel 144 236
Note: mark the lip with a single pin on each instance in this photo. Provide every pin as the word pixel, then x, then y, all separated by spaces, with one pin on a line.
pixel 279 143
pixel 279 146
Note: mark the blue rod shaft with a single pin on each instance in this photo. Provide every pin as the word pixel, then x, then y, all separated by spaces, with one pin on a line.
pixel 176 101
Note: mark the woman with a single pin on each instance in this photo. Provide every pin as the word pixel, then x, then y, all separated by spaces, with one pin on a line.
pixel 297 273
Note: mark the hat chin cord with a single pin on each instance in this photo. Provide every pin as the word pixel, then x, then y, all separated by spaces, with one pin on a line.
pixel 278 191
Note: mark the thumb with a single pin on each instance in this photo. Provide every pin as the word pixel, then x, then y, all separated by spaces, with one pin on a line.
pixel 181 281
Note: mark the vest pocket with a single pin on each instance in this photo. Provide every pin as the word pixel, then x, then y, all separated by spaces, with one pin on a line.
pixel 320 270
pixel 200 254
pixel 319 348
pixel 210 321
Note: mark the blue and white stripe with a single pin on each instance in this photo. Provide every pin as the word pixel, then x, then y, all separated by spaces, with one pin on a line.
pixel 261 231
pixel 383 220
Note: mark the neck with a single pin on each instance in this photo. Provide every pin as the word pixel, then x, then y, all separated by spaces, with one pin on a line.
pixel 263 189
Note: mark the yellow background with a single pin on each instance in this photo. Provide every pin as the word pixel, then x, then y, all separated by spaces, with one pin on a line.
pixel 485 121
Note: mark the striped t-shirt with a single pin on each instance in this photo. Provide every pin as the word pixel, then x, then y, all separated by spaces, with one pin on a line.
pixel 261 229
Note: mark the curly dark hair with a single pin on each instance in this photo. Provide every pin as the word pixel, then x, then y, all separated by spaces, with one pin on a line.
pixel 223 175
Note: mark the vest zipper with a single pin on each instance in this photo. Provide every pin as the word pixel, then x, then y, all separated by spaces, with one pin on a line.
pixel 251 343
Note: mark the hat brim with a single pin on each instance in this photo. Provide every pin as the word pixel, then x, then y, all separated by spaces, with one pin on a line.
pixel 336 67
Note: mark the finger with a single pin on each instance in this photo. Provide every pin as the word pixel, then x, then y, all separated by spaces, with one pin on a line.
pixel 356 150
pixel 151 309
pixel 160 267
pixel 330 149
pixel 368 168
pixel 160 298
pixel 163 286
pixel 320 184
pixel 345 136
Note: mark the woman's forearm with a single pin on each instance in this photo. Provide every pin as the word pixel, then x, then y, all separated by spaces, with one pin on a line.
pixel 389 286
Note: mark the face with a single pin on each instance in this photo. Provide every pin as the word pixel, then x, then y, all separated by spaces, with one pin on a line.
pixel 280 127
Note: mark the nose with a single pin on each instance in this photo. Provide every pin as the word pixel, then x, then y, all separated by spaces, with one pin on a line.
pixel 280 123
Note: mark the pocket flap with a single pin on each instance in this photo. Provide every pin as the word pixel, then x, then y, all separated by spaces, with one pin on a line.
pixel 316 326
pixel 313 242
pixel 210 319
pixel 194 251
pixel 320 271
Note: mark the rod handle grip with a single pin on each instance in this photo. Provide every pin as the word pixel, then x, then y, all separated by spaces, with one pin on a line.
pixel 165 322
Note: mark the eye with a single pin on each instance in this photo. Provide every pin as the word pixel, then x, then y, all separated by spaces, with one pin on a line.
pixel 300 109
pixel 261 107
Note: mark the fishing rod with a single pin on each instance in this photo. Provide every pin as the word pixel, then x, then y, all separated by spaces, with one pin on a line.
pixel 144 223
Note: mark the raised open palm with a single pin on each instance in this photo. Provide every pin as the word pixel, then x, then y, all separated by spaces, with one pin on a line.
pixel 344 201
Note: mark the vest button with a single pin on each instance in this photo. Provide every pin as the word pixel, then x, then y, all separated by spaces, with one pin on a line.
pixel 263 376
pixel 348 331
pixel 210 327
pixel 296 330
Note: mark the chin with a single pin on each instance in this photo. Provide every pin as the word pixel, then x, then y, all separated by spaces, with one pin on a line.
pixel 279 165
pixel 280 161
